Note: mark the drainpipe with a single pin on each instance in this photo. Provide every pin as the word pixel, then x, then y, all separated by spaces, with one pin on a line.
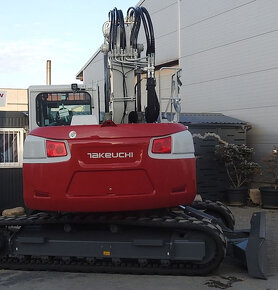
pixel 179 28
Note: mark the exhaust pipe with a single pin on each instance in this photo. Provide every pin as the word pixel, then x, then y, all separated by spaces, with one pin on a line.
pixel 48 72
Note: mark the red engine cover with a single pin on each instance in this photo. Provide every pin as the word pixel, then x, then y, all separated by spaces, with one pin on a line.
pixel 107 169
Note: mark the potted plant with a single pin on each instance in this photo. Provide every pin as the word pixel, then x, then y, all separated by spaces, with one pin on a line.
pixel 240 168
pixel 269 194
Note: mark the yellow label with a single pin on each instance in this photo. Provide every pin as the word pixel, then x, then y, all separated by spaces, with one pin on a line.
pixel 106 253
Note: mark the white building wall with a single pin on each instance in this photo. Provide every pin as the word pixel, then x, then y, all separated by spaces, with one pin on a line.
pixel 230 65
pixel 165 22
pixel 17 100
pixel 228 53
pixel 93 74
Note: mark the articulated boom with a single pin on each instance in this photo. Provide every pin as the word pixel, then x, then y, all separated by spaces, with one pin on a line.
pixel 124 62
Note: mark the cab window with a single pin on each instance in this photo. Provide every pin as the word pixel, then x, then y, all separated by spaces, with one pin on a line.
pixel 57 109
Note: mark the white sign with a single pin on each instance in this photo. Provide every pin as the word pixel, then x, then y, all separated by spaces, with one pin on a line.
pixel 3 98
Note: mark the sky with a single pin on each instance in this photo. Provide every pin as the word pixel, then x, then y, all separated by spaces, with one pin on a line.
pixel 68 32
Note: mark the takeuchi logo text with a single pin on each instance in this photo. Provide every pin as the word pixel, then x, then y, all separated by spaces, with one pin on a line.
pixel 110 155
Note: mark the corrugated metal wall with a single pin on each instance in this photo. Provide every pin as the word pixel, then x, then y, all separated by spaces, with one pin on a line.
pixel 11 181
pixel 9 119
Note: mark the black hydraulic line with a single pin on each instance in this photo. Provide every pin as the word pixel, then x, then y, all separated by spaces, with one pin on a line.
pixel 114 29
pixel 106 84
pixel 145 24
pixel 138 91
pixel 136 26
pixel 122 29
pixel 131 12
pixel 111 31
pixel 139 14
pixel 152 109
pixel 151 31
pixel 124 93
pixel 116 19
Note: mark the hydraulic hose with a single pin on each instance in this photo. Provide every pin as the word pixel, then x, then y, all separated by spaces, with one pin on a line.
pixel 117 29
pixel 151 31
pixel 133 12
pixel 122 29
pixel 116 19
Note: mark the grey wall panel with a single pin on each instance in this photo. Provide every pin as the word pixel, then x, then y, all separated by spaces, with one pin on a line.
pixel 236 25
pixel 163 24
pixel 230 64
pixel 264 133
pixel 249 56
pixel 196 11
pixel 155 6
pixel 243 92
pixel 169 43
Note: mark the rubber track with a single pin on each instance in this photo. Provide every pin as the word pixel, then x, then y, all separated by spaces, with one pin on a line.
pixel 174 220
pixel 217 207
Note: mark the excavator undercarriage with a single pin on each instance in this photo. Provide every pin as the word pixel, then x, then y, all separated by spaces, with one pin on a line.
pixel 180 241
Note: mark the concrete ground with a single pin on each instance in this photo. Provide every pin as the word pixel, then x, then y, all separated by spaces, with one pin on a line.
pixel 229 276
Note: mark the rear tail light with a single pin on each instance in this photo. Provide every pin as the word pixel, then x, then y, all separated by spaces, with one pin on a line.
pixel 162 145
pixel 55 149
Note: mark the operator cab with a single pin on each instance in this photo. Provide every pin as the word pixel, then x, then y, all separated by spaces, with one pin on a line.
pixel 60 105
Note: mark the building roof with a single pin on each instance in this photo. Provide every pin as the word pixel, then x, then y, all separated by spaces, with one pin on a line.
pixel 209 118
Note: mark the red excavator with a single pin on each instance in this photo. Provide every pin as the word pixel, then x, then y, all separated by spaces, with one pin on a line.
pixel 116 193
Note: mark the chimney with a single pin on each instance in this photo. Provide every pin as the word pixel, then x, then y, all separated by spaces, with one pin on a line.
pixel 48 72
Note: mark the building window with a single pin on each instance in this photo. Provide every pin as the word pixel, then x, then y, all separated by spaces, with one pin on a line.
pixel 11 147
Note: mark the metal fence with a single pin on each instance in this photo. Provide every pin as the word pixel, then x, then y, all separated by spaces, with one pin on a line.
pixel 11 147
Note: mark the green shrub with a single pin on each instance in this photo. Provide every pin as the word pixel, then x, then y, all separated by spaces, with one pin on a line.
pixel 238 163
